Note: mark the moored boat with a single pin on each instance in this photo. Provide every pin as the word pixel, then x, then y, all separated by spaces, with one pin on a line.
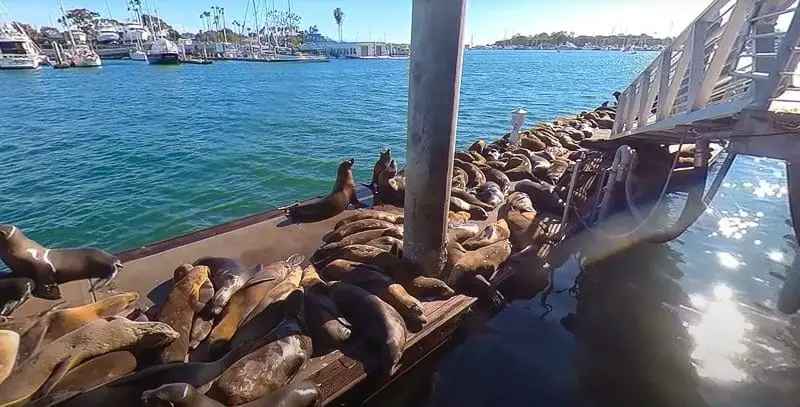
pixel 17 51
pixel 163 52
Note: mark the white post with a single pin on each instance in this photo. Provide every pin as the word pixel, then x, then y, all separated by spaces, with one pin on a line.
pixel 437 29
pixel 517 120
pixel 697 65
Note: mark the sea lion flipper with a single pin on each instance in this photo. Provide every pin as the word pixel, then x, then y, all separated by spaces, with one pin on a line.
pixel 58 373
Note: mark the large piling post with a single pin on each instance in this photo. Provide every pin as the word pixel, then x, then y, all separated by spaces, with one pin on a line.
pixel 434 86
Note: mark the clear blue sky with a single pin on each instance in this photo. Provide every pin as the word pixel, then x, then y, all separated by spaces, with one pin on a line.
pixel 487 20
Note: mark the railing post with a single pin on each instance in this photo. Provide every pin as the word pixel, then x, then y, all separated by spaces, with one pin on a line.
pixel 785 56
pixel 697 64
pixel 644 98
pixel 632 105
pixel 665 106
pixel 619 125
pixel 663 79
pixel 434 85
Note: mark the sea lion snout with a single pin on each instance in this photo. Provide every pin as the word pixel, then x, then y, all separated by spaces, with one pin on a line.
pixel 6 231
pixel 155 334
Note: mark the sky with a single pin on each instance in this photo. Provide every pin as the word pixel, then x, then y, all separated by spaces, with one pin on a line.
pixel 390 20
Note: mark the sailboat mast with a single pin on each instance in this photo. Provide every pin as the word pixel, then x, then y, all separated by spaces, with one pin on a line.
pixel 69 30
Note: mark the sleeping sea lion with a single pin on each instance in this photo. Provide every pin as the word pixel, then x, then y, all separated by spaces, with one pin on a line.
pixel 49 366
pixel 543 196
pixel 567 142
pixel 50 267
pixel 490 193
pixel 379 167
pixel 464 156
pixel 461 231
pixel 457 217
pixel 191 289
pixel 356 227
pixel 478 146
pixel 477 159
pixel 361 214
pixel 498 177
pixel 249 297
pixel 302 394
pixel 344 193
pixel 370 278
pixel 327 252
pixel 481 262
pixel 324 321
pixel 9 344
pixel 519 168
pixel 557 169
pixel 227 276
pixel 475 212
pixel 13 293
pixel 96 372
pixel 373 319
pixel 469 198
pixel 385 243
pixel 268 368
pixel 491 234
pixel 526 229
pixel 476 177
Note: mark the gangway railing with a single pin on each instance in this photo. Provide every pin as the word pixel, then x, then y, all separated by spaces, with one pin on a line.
pixel 737 55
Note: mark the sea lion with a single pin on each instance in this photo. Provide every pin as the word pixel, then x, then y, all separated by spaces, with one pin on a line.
pixel 401 270
pixel 50 267
pixel 543 196
pixel 472 269
pixel 491 154
pixel 457 216
pixel 9 344
pixel 491 234
pixel 478 146
pixel 461 231
pixel 459 180
pixel 469 198
pixel 227 276
pixel 464 156
pixel 567 142
pixel 302 394
pixel 379 167
pixel 532 143
pixel 48 366
pixel 386 243
pixel 368 277
pixel 361 214
pixel 344 193
pixel 97 372
pixel 547 139
pixel 557 169
pixel 268 368
pixel 475 212
pixel 356 227
pixel 324 321
pixel 476 177
pixel 391 186
pixel 526 229
pixel 373 319
pixel 248 297
pixel 490 193
pixel 520 168
pixel 499 164
pixel 498 177
pixel 13 293
pixel 191 289
pixel 328 251
pixel 477 159
pixel 202 326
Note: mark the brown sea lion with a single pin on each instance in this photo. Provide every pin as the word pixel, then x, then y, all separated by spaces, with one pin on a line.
pixel 542 195
pixel 499 164
pixel 50 267
pixel 356 227
pixel 477 159
pixel 532 143
pixel 379 167
pixel 386 243
pixel 227 276
pixel 9 344
pixel 476 177
pixel 49 366
pixel 557 169
pixel 268 368
pixel 302 394
pixel 391 186
pixel 13 293
pixel 491 194
pixel 191 290
pixel 521 169
pixel 344 193
pixel 461 231
pixel 498 177
pixel 361 214
pixel 477 146
pixel 491 234
pixel 469 198
pixel 371 279
pixel 567 142
pixel 373 319
pixel 472 270
pixel 526 228
pixel 475 212
pixel 457 216
pixel 96 372
pixel 327 327
pixel 459 181
pixel 463 156
pixel 328 252
pixel 248 297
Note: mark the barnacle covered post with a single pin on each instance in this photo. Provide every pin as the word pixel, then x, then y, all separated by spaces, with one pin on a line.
pixel 434 85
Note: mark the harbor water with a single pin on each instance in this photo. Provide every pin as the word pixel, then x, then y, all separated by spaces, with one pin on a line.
pixel 128 154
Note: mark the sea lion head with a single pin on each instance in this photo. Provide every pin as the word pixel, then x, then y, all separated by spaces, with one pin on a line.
pixel 386 156
pixel 6 233
pixel 169 395
pixel 153 334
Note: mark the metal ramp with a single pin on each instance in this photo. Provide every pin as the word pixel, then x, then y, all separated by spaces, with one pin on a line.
pixel 729 75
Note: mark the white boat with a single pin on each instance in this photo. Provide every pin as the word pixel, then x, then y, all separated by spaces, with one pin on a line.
pixel 163 52
pixel 133 32
pixel 567 46
pixel 298 57
pixel 137 55
pixel 77 35
pixel 17 51
pixel 83 56
pixel 107 33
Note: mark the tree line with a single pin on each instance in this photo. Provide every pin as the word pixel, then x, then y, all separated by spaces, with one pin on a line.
pixel 561 37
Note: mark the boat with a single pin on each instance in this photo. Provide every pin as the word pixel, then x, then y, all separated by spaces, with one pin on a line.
pixel 76 34
pixel 137 55
pixel 106 33
pixel 83 56
pixel 567 46
pixel 17 51
pixel 298 57
pixel 133 31
pixel 164 52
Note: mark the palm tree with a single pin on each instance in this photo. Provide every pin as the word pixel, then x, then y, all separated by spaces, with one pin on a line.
pixel 338 15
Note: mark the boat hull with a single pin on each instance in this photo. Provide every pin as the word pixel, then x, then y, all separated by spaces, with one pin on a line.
pixel 169 58
pixel 88 63
pixel 138 56
pixel 19 63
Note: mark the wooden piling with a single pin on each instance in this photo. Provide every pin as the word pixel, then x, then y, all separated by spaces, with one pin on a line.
pixel 434 86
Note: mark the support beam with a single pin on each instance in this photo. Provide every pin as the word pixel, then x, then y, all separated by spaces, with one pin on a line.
pixel 786 60
pixel 437 28
pixel 697 65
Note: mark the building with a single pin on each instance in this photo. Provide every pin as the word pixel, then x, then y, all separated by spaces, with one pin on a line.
pixel 357 50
